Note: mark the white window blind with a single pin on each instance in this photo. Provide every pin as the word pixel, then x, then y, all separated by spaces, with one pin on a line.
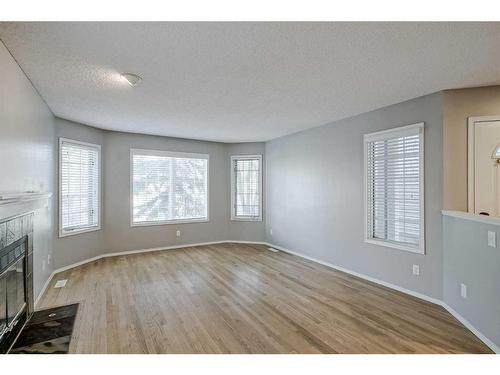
pixel 168 187
pixel 394 191
pixel 79 186
pixel 246 186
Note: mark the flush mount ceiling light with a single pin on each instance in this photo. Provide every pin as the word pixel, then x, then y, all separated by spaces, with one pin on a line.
pixel 132 79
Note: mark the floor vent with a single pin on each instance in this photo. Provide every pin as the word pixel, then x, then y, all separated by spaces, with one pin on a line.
pixel 272 249
pixel 61 283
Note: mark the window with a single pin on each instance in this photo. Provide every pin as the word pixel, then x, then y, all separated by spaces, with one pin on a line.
pixel 394 169
pixel 79 187
pixel 246 187
pixel 168 187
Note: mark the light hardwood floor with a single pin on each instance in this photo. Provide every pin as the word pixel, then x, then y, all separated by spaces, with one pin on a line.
pixel 237 298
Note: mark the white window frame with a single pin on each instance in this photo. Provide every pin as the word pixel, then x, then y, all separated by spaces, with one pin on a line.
pixel 233 188
pixel 167 154
pixel 65 233
pixel 390 134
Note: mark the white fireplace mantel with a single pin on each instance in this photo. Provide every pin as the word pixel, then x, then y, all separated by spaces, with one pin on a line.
pixel 14 204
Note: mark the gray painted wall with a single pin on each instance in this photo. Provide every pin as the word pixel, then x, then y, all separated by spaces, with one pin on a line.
pixel 315 195
pixel 72 249
pixel 27 153
pixel 119 235
pixel 116 234
pixel 469 260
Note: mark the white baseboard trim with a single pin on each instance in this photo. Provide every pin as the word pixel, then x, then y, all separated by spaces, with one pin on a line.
pixel 129 252
pixel 108 255
pixel 45 286
pixel 424 297
pixel 362 276
pixel 471 328
pixel 120 253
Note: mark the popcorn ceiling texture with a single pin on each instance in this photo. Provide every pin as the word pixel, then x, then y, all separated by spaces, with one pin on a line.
pixel 241 82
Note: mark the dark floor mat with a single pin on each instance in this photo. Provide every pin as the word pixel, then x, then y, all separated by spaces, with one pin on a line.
pixel 47 332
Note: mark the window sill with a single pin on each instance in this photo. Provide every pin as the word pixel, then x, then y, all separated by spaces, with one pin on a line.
pixel 258 219
pixel 394 245
pixel 80 231
pixel 169 222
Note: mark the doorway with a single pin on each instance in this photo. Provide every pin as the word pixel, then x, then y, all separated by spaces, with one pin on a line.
pixel 484 165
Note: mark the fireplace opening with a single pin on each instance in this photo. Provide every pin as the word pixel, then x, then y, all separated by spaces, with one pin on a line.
pixel 12 277
pixel 15 278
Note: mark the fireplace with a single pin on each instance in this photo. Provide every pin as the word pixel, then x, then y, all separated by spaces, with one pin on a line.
pixel 16 277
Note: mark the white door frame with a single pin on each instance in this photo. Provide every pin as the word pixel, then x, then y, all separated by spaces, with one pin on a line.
pixel 471 183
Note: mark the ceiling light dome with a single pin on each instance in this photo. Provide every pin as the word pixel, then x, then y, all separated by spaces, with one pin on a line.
pixel 132 79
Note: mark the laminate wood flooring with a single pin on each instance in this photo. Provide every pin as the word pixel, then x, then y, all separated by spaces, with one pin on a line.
pixel 239 298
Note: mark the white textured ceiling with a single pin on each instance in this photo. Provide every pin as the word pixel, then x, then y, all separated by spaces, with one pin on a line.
pixel 240 82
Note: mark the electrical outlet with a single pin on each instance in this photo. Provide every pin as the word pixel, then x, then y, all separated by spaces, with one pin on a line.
pixel 271 231
pixel 463 290
pixel 178 233
pixel 49 258
pixel 416 269
pixel 492 239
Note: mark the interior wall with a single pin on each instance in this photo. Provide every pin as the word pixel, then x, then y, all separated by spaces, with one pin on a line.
pixel 116 234
pixel 119 235
pixel 78 247
pixel 315 196
pixel 27 154
pixel 458 106
pixel 469 260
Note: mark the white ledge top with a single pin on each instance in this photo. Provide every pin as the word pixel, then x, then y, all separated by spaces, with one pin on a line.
pixel 14 204
pixel 472 217
pixel 6 198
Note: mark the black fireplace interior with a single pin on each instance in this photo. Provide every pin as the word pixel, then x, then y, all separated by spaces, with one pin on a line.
pixel 16 277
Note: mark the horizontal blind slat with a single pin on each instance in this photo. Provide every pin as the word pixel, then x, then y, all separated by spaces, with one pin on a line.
pixel 247 187
pixel 167 188
pixel 393 189
pixel 79 190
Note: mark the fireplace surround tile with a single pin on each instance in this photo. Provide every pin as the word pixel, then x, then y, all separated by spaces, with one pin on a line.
pixel 3 235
